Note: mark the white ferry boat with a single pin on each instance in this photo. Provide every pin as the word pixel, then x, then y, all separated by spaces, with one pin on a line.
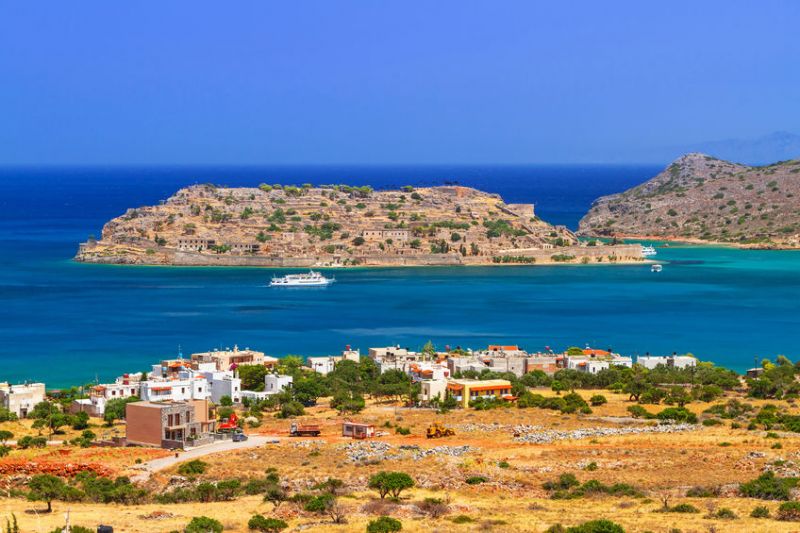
pixel 648 251
pixel 312 279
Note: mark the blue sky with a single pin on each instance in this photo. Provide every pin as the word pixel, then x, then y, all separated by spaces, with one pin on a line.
pixel 97 82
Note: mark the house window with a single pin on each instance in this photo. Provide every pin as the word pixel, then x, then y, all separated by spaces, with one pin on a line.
pixel 178 419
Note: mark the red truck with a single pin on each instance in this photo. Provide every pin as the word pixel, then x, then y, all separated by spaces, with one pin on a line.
pixel 301 430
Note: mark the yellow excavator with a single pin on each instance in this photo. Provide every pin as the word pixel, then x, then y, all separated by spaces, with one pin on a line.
pixel 437 430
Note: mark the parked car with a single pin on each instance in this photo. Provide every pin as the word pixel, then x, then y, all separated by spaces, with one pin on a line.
pixel 239 437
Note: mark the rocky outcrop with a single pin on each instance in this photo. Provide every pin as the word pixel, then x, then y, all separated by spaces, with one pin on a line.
pixel 701 198
pixel 289 226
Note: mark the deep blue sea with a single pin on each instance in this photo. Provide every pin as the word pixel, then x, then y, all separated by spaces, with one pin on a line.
pixel 67 323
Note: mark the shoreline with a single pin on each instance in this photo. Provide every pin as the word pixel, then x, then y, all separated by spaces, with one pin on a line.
pixel 696 242
pixel 100 253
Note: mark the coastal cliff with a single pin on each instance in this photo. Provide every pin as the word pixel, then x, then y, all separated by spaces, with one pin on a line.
pixel 290 226
pixel 704 199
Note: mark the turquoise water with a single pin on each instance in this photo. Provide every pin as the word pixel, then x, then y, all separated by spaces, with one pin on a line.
pixel 65 322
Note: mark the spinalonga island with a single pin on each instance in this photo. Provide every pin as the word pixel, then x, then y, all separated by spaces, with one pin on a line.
pixel 340 225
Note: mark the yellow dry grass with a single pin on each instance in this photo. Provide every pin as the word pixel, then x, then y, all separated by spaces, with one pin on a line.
pixel 513 498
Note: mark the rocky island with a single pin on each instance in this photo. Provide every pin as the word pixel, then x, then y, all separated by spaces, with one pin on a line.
pixel 699 198
pixel 340 225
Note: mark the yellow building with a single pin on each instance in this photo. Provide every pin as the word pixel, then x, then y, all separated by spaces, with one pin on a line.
pixel 467 390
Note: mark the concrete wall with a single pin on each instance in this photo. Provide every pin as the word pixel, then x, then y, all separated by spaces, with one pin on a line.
pixel 143 425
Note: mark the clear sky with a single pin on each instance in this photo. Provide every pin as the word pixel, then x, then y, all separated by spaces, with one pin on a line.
pixel 151 82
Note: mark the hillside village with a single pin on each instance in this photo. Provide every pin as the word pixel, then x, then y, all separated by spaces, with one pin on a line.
pixel 305 226
pixel 305 443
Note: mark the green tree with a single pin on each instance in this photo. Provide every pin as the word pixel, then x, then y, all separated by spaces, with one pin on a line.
pixel 46 488
pixel 48 415
pixel 115 409
pixel 5 436
pixel 346 401
pixel 80 420
pixel 226 401
pixel 326 504
pixel 292 409
pixel 390 483
pixel 252 376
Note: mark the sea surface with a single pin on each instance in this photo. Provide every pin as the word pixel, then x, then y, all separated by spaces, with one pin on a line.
pixel 68 323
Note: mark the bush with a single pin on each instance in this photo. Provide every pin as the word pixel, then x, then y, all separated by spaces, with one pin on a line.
pixel 433 507
pixel 637 411
pixel 597 399
pixel 266 525
pixel 384 524
pixel 760 511
pixel 291 409
pixel 789 511
pixel 565 482
pixel 703 492
pixel 192 468
pixel 768 486
pixel 683 508
pixel 725 514
pixel 597 526
pixel 677 414
pixel 462 519
pixel 475 480
pixel 203 524
pixel 31 442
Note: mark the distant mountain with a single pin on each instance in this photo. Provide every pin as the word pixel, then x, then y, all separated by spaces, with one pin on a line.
pixel 777 146
pixel 700 197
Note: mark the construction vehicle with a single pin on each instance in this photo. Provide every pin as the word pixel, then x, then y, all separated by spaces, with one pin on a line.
pixel 303 430
pixel 228 425
pixel 438 430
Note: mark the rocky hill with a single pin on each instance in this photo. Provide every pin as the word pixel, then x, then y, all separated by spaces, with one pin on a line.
pixel 699 197
pixel 275 225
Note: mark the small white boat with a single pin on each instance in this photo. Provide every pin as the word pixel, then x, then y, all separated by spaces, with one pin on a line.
pixel 656 268
pixel 312 279
pixel 648 251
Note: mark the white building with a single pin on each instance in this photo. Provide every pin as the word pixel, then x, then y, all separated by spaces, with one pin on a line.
pixel 323 365
pixel 223 383
pixel 254 395
pixel 674 361
pixel 174 381
pixel 390 352
pixel 20 399
pixel 275 383
pixel 593 365
pixel 125 386
pixel 431 389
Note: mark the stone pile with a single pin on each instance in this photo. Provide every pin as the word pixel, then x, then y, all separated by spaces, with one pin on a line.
pixel 451 451
pixel 372 451
pixel 528 434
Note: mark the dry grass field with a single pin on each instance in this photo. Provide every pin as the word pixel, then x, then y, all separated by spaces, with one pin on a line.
pixel 658 464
